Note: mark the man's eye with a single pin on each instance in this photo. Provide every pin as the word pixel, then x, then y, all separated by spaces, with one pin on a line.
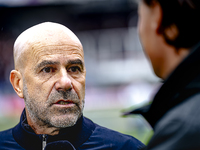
pixel 47 69
pixel 74 69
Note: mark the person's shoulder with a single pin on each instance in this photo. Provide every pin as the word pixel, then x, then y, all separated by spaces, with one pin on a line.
pixel 183 118
pixel 7 141
pixel 178 126
pixel 108 138
pixel 184 113
pixel 5 137
pixel 6 134
pixel 112 135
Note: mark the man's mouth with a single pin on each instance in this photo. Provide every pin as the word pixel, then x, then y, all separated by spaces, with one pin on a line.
pixel 62 102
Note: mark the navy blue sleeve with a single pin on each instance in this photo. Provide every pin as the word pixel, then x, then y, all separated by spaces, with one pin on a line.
pixel 7 141
pixel 106 139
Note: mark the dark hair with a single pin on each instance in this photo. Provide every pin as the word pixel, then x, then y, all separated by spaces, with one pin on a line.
pixel 185 14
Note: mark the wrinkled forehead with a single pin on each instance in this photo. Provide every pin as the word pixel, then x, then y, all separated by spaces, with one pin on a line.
pixel 44 35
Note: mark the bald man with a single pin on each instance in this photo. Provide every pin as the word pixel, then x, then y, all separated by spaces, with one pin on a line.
pixel 50 76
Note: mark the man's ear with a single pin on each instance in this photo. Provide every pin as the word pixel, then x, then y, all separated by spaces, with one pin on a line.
pixel 17 82
pixel 171 32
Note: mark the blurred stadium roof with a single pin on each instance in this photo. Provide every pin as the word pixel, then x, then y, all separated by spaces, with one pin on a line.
pixel 76 14
pixel 108 3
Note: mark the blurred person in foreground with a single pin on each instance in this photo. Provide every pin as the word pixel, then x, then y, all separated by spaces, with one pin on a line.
pixel 169 31
pixel 50 76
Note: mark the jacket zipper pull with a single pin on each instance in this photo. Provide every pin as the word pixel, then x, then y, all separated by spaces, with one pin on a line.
pixel 44 141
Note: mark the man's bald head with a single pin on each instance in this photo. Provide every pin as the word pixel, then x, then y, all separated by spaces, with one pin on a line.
pixel 44 34
pixel 49 70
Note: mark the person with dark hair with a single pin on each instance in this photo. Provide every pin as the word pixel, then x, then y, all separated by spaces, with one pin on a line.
pixel 169 31
pixel 50 76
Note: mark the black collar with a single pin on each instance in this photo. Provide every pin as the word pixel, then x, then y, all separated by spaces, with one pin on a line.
pixel 76 135
pixel 182 83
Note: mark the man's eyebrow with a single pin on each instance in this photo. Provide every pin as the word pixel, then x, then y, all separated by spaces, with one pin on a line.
pixel 46 63
pixel 76 61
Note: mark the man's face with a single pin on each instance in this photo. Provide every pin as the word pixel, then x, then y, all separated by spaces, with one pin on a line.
pixel 149 36
pixel 54 82
pixel 144 27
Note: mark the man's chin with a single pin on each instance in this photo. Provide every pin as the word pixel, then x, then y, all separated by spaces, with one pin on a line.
pixel 63 121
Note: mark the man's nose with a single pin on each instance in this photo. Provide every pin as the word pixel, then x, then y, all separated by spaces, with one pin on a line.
pixel 64 82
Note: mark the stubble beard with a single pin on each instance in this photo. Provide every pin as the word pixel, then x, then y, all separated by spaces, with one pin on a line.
pixel 46 115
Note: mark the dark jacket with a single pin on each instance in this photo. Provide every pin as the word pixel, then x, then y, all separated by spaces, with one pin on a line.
pixel 85 135
pixel 175 111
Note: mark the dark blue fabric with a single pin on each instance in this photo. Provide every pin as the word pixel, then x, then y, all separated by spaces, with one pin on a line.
pixel 85 135
pixel 60 145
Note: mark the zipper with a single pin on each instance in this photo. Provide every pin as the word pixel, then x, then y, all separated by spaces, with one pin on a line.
pixel 44 141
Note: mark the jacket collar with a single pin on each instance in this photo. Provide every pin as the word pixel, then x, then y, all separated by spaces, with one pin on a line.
pixel 76 135
pixel 182 83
